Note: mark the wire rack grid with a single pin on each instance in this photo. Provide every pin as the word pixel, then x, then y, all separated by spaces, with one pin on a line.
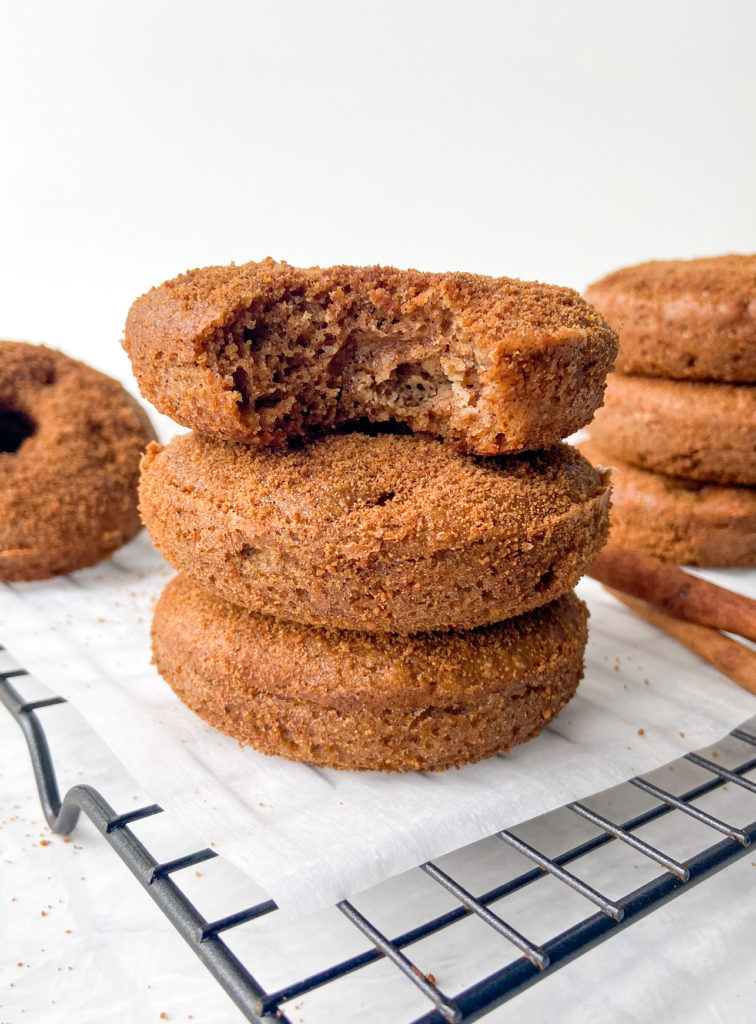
pixel 523 960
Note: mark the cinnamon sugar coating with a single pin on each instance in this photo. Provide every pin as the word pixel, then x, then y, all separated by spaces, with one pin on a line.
pixel 360 701
pixel 690 429
pixel 681 521
pixel 379 533
pixel 264 352
pixel 684 319
pixel 70 444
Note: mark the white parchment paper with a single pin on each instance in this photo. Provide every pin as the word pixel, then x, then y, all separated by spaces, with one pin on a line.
pixel 310 837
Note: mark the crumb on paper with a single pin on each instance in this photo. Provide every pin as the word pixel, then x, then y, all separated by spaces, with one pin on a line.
pixel 682 735
pixel 641 732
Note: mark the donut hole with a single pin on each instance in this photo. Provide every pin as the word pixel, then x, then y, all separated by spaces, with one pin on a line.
pixel 15 427
pixel 545 581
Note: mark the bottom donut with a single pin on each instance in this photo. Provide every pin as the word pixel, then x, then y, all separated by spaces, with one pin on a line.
pixel 364 701
pixel 681 521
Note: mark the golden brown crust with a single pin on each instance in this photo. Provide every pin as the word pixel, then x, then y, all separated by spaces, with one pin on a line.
pixel 689 429
pixel 684 319
pixel 388 533
pixel 683 522
pixel 68 491
pixel 264 352
pixel 359 701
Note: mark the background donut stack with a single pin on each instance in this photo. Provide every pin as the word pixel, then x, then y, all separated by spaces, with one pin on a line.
pixel 376 528
pixel 679 421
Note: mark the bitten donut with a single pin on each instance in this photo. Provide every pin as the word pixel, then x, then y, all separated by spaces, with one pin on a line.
pixel 687 522
pixel 379 533
pixel 265 352
pixel 684 319
pixel 362 701
pixel 690 429
pixel 70 443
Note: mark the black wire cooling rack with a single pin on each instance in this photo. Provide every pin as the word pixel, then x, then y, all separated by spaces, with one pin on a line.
pixel 522 961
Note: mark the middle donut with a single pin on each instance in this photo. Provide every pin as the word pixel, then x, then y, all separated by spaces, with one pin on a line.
pixel 386 533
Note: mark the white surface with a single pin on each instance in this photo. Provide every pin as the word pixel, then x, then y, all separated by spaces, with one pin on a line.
pixel 310 837
pixel 546 140
pixel 102 952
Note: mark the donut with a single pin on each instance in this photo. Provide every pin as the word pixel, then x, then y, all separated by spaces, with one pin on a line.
pixel 690 429
pixel 368 701
pixel 395 533
pixel 682 521
pixel 684 319
pixel 265 352
pixel 70 444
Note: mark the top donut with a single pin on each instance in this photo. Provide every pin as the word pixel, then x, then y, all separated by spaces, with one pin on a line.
pixel 684 319
pixel 264 352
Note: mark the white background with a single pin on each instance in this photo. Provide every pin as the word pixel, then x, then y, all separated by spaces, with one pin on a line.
pixel 545 140
pixel 542 140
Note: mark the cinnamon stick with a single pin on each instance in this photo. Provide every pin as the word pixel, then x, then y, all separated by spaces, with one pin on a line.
pixel 734 660
pixel 674 591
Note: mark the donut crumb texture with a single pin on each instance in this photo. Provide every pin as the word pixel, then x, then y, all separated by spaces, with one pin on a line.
pixel 264 352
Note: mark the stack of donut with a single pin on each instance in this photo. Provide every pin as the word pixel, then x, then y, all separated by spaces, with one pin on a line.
pixel 679 421
pixel 376 527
